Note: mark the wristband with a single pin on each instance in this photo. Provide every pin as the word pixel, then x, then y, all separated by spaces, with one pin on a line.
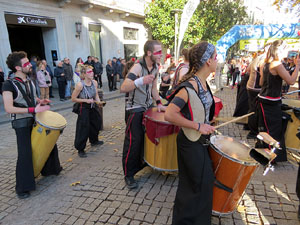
pixel 158 102
pixel 199 125
pixel 31 110
pixel 139 82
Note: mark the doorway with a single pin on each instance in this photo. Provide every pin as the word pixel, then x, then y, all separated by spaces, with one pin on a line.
pixel 28 39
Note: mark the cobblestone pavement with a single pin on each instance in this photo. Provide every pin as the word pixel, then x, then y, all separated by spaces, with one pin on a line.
pixel 100 195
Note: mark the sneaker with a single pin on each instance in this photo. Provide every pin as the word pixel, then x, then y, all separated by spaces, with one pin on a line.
pixel 131 183
pixel 82 154
pixel 23 195
pixel 97 143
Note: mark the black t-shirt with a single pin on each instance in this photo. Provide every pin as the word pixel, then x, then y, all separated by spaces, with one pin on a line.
pixel 8 86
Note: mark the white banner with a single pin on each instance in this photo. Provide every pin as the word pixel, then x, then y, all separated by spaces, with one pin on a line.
pixel 187 14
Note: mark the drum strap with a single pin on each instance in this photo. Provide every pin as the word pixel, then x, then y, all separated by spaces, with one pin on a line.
pixel 222 186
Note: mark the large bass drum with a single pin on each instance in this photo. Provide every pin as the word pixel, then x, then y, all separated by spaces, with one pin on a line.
pixel 233 168
pixel 160 141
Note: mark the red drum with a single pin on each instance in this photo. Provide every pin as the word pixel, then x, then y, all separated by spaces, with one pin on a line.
pixel 160 141
pixel 233 168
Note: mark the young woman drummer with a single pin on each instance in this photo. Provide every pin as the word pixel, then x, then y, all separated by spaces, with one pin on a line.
pixel 191 108
pixel 269 98
pixel 88 121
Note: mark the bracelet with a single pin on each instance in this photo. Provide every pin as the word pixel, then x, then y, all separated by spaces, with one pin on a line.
pixel 158 102
pixel 199 125
pixel 31 110
pixel 139 82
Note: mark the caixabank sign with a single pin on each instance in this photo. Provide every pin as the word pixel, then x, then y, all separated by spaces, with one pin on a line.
pixel 29 20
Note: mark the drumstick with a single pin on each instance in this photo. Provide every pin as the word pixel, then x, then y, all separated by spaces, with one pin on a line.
pixel 234 120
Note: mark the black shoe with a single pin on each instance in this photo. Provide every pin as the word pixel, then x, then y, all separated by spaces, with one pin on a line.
pixel 131 183
pixel 97 143
pixel 65 99
pixel 51 96
pixel 23 195
pixel 62 99
pixel 82 154
pixel 246 127
pixel 251 135
pixel 299 212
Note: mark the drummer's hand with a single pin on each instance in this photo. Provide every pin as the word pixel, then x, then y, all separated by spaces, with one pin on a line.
pixel 206 129
pixel 161 108
pixel 41 108
pixel 43 101
pixel 148 79
pixel 90 101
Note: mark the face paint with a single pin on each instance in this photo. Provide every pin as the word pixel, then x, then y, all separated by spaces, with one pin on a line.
pixel 26 64
pixel 157 53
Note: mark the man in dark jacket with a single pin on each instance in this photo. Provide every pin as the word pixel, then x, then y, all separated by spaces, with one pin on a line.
pixel 61 80
pixel 68 71
pixel 89 61
pixel 115 72
pixel 98 70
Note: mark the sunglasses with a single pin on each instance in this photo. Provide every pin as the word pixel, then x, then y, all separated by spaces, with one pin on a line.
pixel 157 53
pixel 26 64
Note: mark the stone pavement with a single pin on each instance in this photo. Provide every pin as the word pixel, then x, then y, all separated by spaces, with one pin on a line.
pixel 100 195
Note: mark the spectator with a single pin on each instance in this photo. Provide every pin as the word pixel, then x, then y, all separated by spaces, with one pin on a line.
pixel 98 70
pixel 68 71
pixel 49 70
pixel 115 72
pixel 76 76
pixel 44 80
pixel 89 61
pixel 78 60
pixel 61 80
pixel 110 75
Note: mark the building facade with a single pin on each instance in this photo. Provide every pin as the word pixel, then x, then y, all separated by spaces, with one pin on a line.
pixel 54 29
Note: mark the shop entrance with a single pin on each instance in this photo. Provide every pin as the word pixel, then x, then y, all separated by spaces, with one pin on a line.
pixel 28 39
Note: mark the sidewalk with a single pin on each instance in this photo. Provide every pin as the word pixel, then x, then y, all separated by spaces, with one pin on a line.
pixel 57 105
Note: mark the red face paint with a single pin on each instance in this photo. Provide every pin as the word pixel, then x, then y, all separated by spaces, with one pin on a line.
pixel 89 71
pixel 157 53
pixel 26 64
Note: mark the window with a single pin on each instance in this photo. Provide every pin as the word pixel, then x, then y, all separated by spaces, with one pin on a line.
pixel 131 50
pixel 130 33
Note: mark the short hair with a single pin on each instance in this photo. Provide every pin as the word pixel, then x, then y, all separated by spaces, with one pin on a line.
pixel 39 65
pixel 149 46
pixel 14 59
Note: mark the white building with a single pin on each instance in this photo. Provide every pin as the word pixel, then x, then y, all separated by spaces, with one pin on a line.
pixel 47 28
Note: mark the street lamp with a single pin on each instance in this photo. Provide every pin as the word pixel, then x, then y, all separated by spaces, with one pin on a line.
pixel 176 13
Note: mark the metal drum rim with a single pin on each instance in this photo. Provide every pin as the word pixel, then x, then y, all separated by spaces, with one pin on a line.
pixel 52 128
pixel 254 163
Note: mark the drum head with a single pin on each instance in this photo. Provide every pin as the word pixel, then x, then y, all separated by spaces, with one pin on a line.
pixel 291 102
pixel 153 115
pixel 232 149
pixel 51 119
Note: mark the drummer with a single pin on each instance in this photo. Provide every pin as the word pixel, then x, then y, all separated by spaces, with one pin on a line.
pixel 141 84
pixel 19 96
pixel 193 202
pixel 269 98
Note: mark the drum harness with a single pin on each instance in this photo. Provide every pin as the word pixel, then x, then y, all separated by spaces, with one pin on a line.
pixel 29 98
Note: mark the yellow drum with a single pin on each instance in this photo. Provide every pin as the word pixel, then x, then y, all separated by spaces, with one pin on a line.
pixel 160 142
pixel 291 140
pixel 46 130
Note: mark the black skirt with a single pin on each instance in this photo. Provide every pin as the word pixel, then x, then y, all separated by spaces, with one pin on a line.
pixel 193 202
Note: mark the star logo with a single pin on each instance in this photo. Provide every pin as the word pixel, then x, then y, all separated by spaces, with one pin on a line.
pixel 21 19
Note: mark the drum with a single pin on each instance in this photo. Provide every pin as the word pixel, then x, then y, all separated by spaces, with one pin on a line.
pixel 160 151
pixel 233 168
pixel 46 130
pixel 291 140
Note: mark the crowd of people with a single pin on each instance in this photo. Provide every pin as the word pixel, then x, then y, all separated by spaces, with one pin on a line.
pixel 190 106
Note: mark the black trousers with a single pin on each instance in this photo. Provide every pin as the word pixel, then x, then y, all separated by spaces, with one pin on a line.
pixel 115 82
pixel 193 201
pixel 234 76
pixel 50 88
pixel 270 121
pixel 252 120
pixel 133 148
pixel 61 89
pixel 99 79
pixel 110 82
pixel 24 170
pixel 87 127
